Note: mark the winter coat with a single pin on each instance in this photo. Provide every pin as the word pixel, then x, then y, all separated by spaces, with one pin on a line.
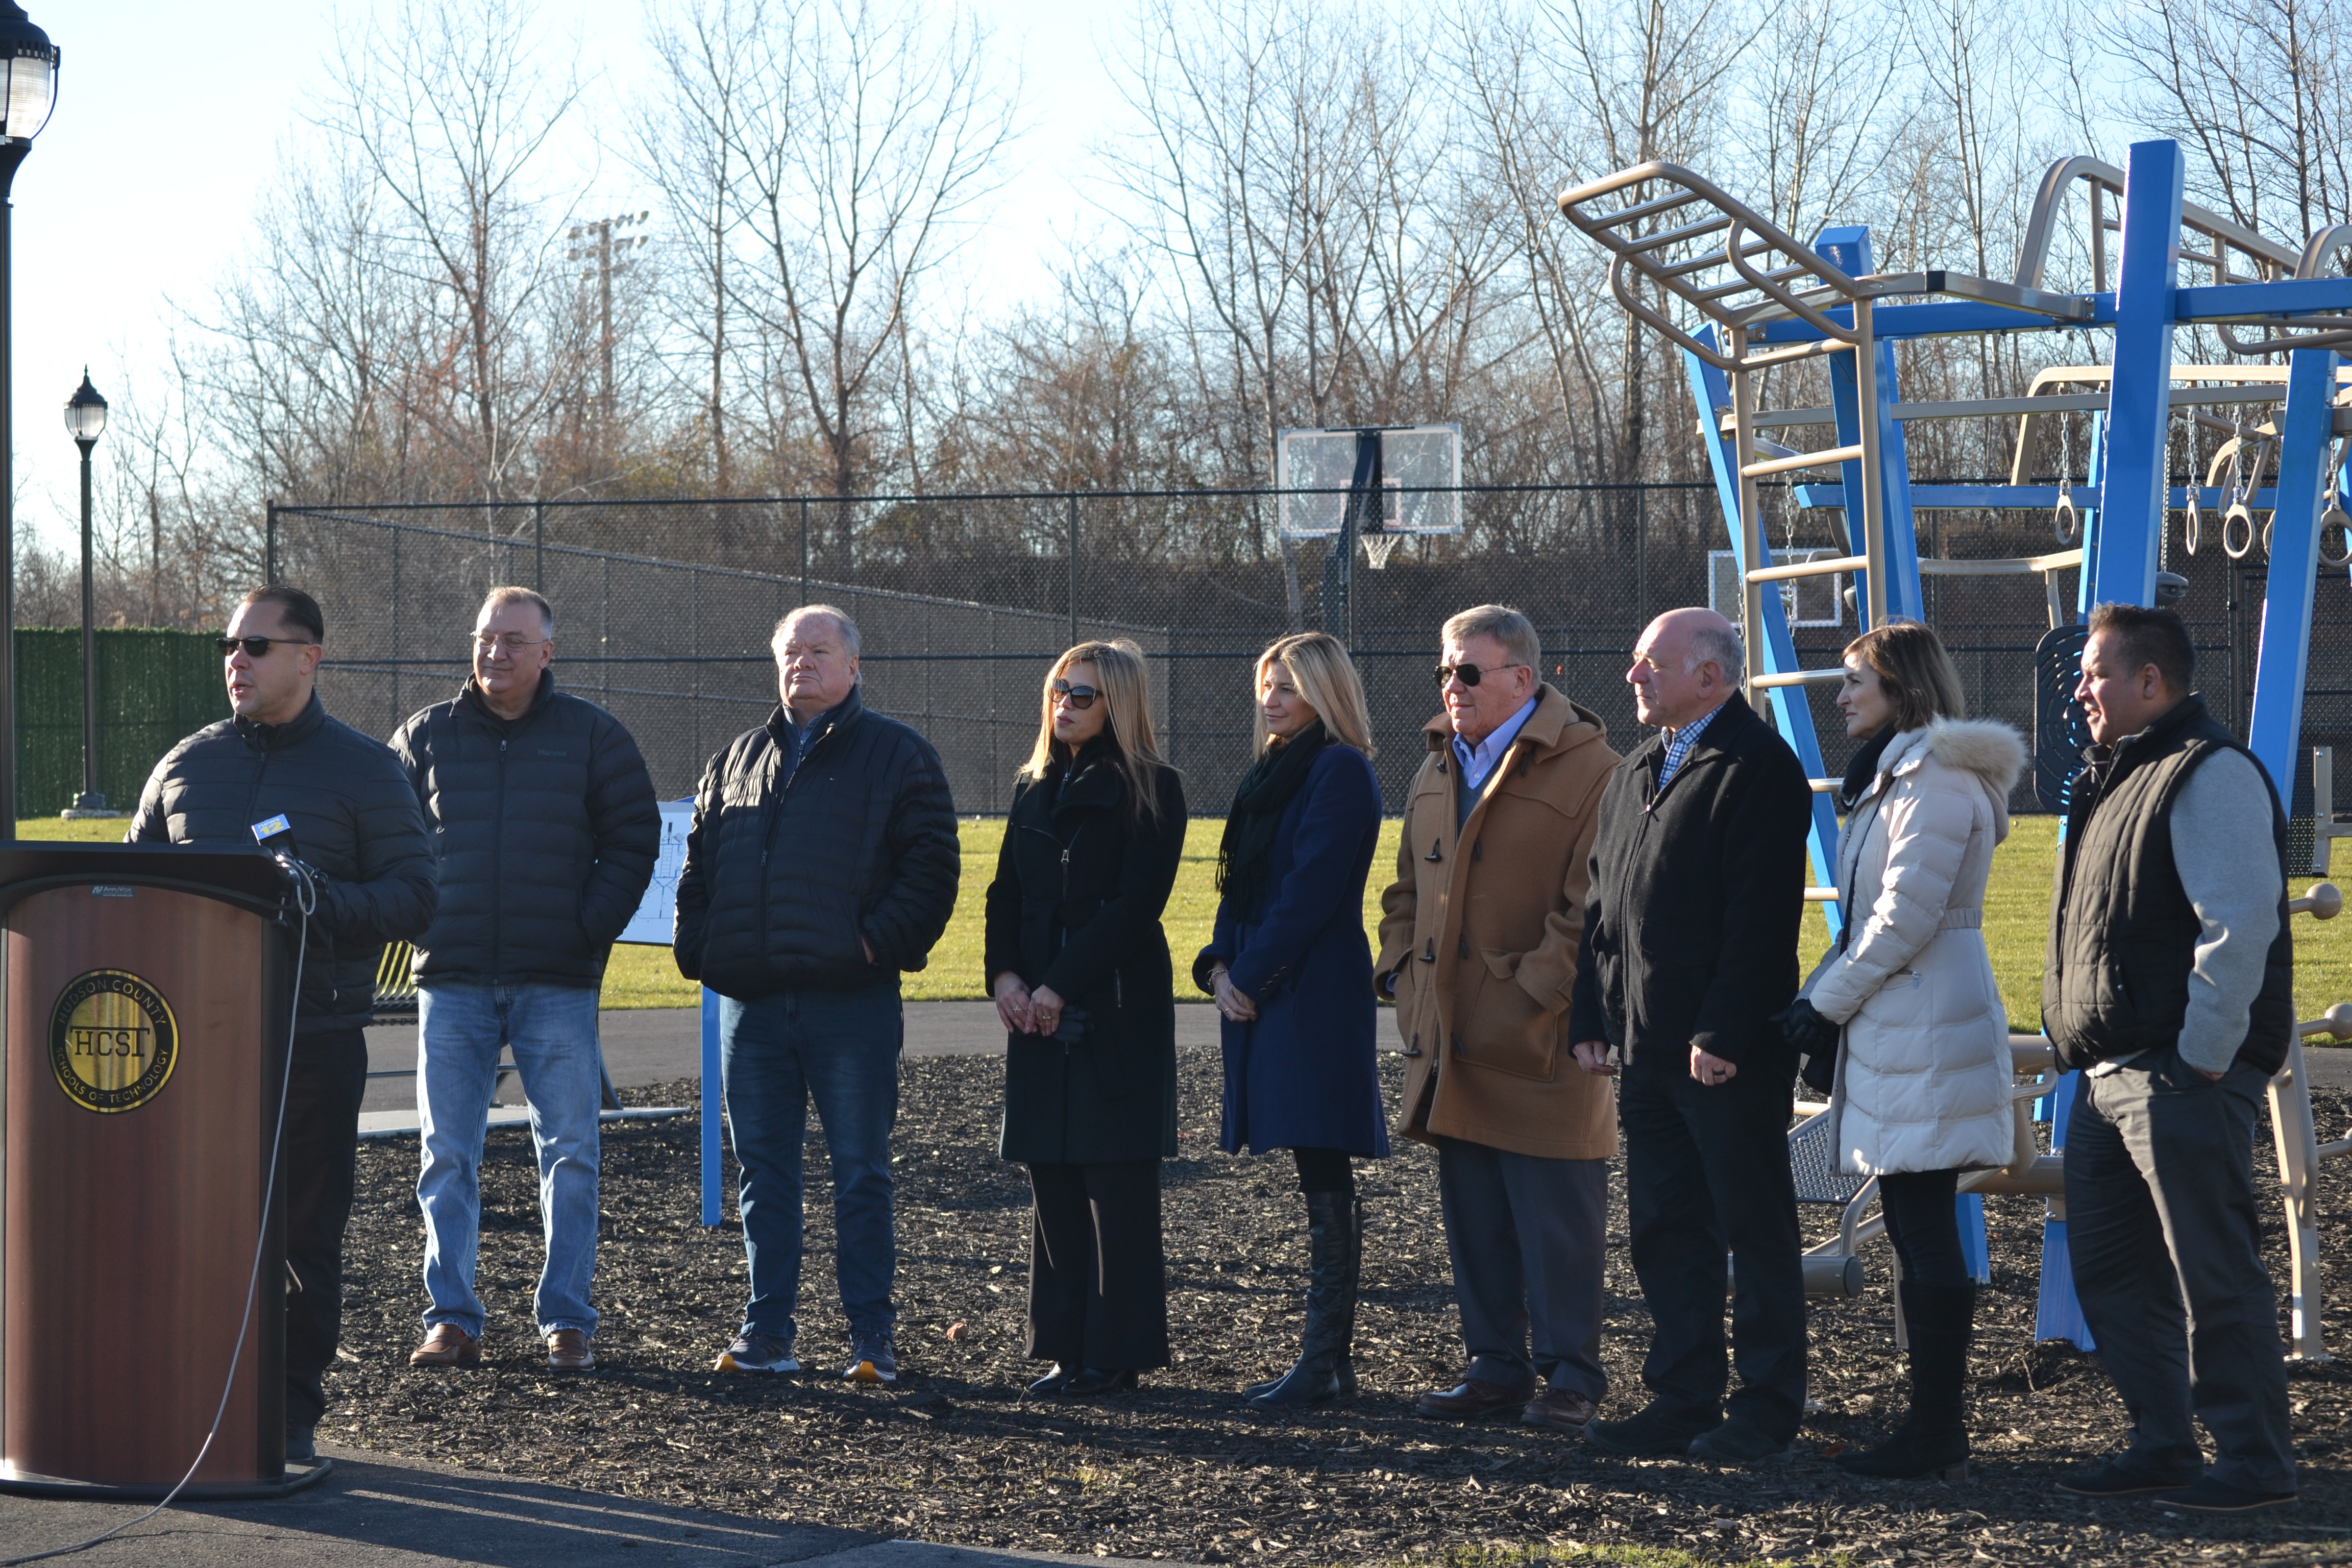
pixel 1924 1073
pixel 1306 1073
pixel 545 830
pixel 2123 932
pixel 1690 934
pixel 791 872
pixel 1076 906
pixel 351 816
pixel 1480 931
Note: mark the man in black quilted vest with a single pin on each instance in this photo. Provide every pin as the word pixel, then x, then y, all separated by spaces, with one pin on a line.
pixel 544 823
pixel 282 773
pixel 2169 983
pixel 823 861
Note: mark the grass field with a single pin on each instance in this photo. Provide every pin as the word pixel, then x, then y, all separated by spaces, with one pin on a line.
pixel 2017 909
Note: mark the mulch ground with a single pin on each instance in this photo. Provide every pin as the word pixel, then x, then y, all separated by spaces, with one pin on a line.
pixel 1183 1469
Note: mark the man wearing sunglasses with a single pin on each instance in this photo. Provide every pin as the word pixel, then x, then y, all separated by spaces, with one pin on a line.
pixel 1478 937
pixel 282 773
pixel 544 822
pixel 823 861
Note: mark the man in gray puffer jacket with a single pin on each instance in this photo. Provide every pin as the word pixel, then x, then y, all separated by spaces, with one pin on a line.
pixel 544 823
pixel 283 774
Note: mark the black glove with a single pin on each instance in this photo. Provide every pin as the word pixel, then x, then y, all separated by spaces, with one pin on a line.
pixel 1806 1029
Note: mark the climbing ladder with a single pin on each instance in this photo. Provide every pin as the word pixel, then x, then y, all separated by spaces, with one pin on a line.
pixel 1739 296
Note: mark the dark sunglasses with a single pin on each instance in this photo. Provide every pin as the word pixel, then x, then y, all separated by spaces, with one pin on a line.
pixel 1081 696
pixel 1467 674
pixel 256 648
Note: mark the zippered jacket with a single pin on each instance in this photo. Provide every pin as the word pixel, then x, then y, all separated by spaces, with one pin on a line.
pixel 350 815
pixel 792 872
pixel 1076 904
pixel 546 832
pixel 1697 893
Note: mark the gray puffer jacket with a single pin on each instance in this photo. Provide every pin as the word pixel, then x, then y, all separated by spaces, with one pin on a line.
pixel 546 831
pixel 1923 1079
pixel 351 817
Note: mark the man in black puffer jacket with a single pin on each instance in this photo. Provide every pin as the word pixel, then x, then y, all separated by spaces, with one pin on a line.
pixel 284 774
pixel 822 862
pixel 544 821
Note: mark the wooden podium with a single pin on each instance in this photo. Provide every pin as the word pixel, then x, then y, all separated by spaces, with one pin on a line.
pixel 145 1013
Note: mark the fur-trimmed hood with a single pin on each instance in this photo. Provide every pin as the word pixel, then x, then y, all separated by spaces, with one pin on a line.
pixel 1987 747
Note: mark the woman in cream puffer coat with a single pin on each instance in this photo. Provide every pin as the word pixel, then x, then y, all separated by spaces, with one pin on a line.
pixel 1923 1081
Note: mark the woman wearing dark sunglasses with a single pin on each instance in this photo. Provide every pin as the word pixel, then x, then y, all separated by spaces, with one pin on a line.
pixel 1292 972
pixel 1078 965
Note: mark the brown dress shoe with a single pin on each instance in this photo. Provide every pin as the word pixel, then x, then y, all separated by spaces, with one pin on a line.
pixel 1561 1409
pixel 567 1351
pixel 1469 1400
pixel 448 1345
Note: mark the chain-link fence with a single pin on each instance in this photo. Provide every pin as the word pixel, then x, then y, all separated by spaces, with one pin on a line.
pixel 665 607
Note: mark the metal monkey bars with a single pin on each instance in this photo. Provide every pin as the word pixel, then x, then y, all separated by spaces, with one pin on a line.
pixel 1740 296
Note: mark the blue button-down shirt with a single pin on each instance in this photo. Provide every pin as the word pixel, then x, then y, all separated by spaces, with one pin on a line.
pixel 1478 760
pixel 1680 743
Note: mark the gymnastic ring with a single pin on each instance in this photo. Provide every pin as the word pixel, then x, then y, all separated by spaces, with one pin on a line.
pixel 2063 520
pixel 2269 522
pixel 2196 530
pixel 2335 517
pixel 2239 516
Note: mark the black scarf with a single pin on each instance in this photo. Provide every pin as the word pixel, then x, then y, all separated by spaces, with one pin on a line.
pixel 1247 849
pixel 1864 768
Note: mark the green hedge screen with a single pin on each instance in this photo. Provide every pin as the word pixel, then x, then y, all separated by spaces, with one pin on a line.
pixel 153 686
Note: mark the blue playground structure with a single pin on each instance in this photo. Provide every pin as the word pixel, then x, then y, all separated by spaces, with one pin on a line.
pixel 1740 296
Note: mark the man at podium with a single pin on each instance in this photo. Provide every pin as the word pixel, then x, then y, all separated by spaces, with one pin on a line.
pixel 283 774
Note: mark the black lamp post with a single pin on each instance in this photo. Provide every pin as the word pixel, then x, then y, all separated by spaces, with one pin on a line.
pixel 28 80
pixel 86 417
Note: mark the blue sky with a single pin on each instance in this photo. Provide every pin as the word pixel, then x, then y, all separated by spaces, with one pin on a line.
pixel 168 124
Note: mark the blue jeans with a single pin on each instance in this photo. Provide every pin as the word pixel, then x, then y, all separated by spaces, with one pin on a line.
pixel 552 1030
pixel 839 1048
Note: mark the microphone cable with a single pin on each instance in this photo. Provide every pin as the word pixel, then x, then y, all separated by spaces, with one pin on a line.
pixel 306 900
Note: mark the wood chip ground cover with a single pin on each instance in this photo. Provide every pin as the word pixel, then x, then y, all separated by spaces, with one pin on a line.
pixel 1184 1470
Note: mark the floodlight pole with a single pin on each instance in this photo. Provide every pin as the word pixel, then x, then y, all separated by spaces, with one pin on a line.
pixel 12 154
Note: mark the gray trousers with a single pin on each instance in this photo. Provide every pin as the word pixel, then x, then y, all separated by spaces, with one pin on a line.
pixel 2159 1211
pixel 1528 1238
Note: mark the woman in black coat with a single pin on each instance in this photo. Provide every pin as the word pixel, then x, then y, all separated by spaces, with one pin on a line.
pixel 1291 969
pixel 1079 969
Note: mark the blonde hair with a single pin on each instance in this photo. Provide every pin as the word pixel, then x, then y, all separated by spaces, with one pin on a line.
pixel 1919 677
pixel 1326 677
pixel 1123 688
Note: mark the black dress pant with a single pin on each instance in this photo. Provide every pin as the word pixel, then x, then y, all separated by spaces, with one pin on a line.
pixel 1706 1175
pixel 1097 1283
pixel 316 1164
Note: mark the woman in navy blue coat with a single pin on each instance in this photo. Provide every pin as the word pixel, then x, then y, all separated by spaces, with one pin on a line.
pixel 1291 970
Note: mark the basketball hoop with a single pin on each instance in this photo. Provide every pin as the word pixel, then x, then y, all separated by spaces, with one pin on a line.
pixel 1378 547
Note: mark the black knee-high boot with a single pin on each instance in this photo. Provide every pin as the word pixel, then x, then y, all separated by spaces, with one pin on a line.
pixel 1933 1439
pixel 1325 1370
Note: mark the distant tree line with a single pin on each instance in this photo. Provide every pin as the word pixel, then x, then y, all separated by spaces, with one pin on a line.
pixel 1314 212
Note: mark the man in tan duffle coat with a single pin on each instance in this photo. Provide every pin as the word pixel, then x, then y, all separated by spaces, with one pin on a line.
pixel 1478 943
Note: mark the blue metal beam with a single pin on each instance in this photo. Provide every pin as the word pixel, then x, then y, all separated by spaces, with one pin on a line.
pixel 1792 709
pixel 1850 249
pixel 2026 498
pixel 2139 411
pixel 1889 322
pixel 2295 297
pixel 2306 433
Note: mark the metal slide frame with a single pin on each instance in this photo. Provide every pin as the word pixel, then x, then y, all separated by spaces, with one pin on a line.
pixel 1753 297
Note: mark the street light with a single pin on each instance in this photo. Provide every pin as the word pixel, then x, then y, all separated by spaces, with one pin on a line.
pixel 28 90
pixel 86 419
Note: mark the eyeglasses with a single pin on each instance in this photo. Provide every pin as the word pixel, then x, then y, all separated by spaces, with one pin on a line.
pixel 512 645
pixel 1080 698
pixel 1470 674
pixel 257 647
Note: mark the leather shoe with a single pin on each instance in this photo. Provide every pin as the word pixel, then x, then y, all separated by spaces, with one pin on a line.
pixel 567 1351
pixel 2206 1495
pixel 1053 1383
pixel 1093 1380
pixel 1471 1399
pixel 2127 1476
pixel 1737 1441
pixel 301 1446
pixel 1653 1432
pixel 448 1345
pixel 1561 1409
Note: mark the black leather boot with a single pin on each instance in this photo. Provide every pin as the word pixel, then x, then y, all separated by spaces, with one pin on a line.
pixel 1325 1371
pixel 1933 1439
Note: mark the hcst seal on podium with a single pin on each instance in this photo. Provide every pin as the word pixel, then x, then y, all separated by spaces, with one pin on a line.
pixel 113 1040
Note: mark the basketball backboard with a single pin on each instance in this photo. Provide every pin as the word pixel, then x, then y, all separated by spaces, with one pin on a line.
pixel 1420 473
